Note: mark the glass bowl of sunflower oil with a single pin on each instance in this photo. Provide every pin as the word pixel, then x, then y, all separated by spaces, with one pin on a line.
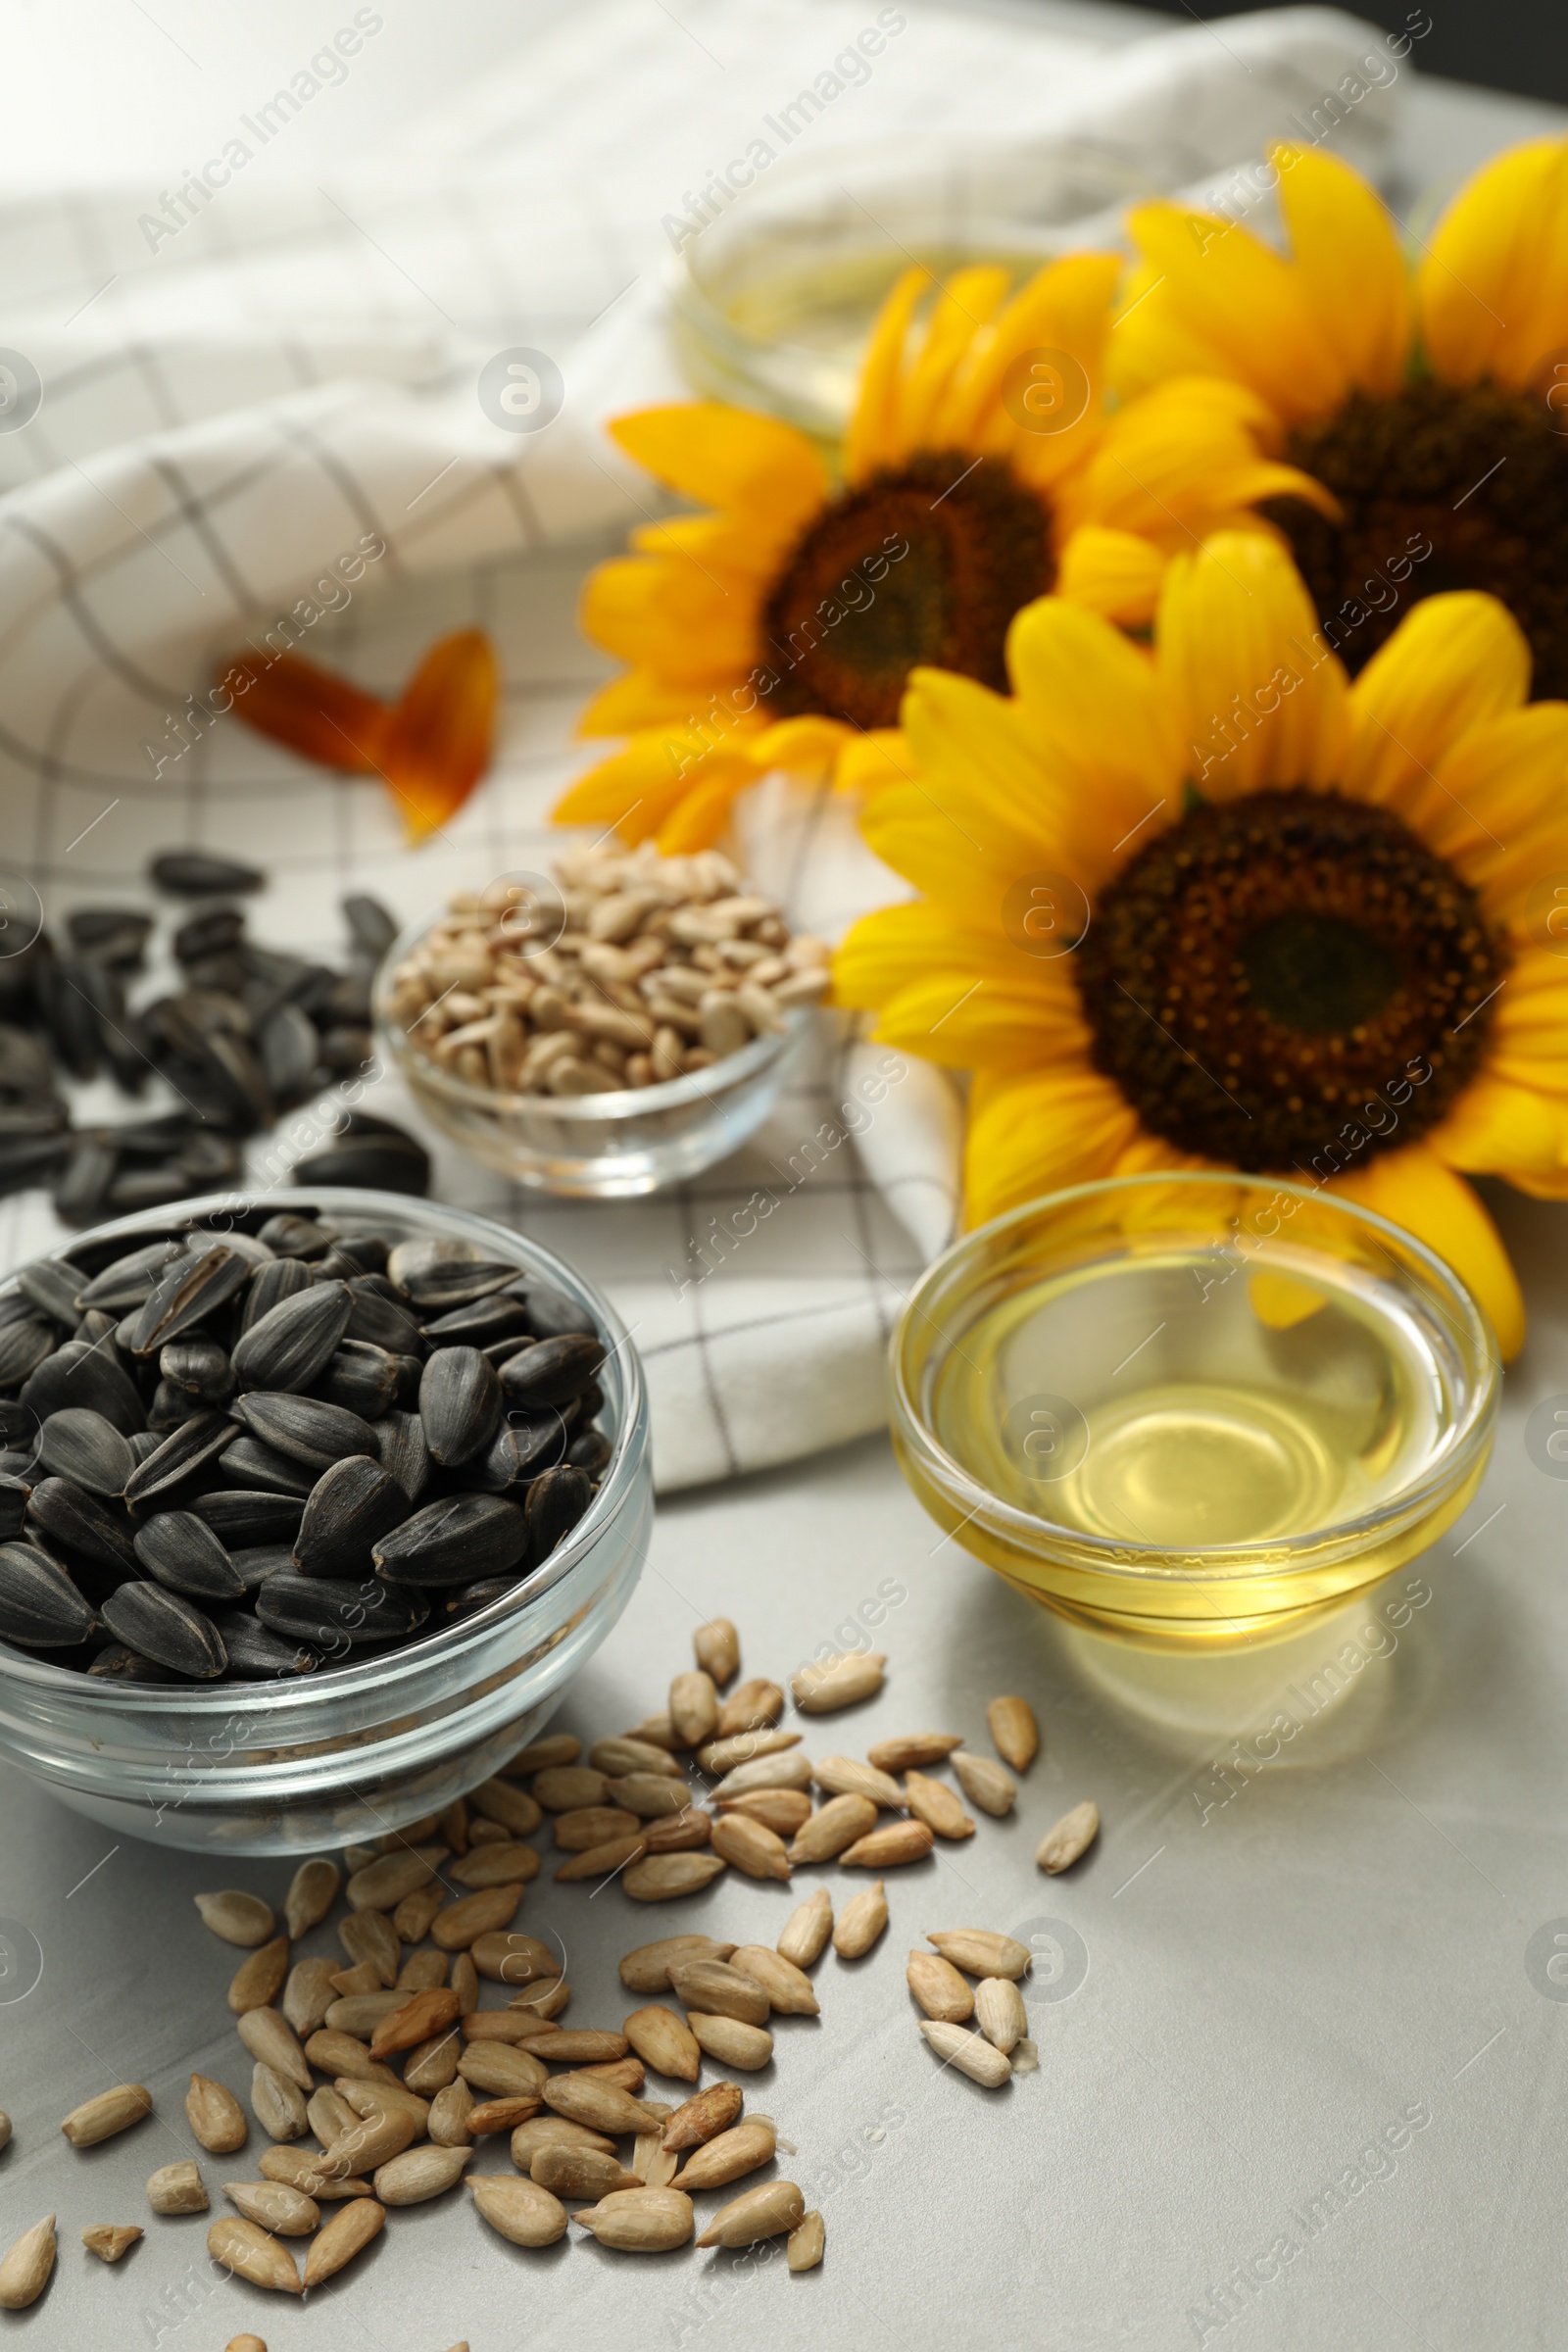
pixel 777 274
pixel 1193 1413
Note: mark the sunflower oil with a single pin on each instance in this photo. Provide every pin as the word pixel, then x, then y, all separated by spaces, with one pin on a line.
pixel 1174 1402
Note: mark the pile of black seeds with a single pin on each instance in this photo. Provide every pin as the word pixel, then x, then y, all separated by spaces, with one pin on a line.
pixel 253 1032
pixel 256 1450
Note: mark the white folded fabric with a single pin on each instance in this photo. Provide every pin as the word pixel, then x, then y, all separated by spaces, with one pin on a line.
pixel 255 398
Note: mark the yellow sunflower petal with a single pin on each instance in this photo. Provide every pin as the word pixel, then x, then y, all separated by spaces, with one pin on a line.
pixel 699 819
pixel 1090 701
pixel 1255 701
pixel 634 789
pixel 1497 807
pixel 1153 340
pixel 1498 1128
pixel 1491 290
pixel 869 439
pixel 671 617
pixel 1341 234
pixel 1246 304
pixel 1113 573
pixel 872 761
pixel 1035 1133
pixel 983 1024
pixel 1178 461
pixel 897 945
pixel 723 457
pixel 981 791
pixel 1415 1188
pixel 1456 663
pixel 965 861
pixel 800 743
pixel 637 700
pixel 1062 311
pixel 961 311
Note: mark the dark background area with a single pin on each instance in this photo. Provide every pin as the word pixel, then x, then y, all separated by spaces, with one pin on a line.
pixel 1519 45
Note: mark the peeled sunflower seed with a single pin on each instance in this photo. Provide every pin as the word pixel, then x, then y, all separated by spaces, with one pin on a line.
pixel 847 1776
pixel 520 2210
pixel 934 1803
pixel 770 2211
pixel 311 1893
pixel 1070 1836
pixel 640 2221
pixel 788 1988
pixel 998 2012
pixel 237 1917
pixel 215 2115
pixel 880 1849
pixel 743 1747
pixel 731 2041
pixel 728 2156
pixel 805 2249
pixel 177 2188
pixel 513 1809
pixel 112 2111
pixel 755 1706
pixel 274 2206
pixel 25 2268
pixel 940 1989
pixel 585 2098
pixel 1014 1731
pixel 258 1979
pixel 40 1606
pixel 985 1783
pixel 793 1771
pixel 272 2040
pixel 833 1827
pixel 693 1707
pixel 968 2052
pixel 420 2173
pixel 719 1989
pixel 166 1627
pixel 718 1649
pixel 464 1922
pixel 660 1877
pixel 837 1682
pixel 290 1343
pixel 786 1811
pixel 860 1922
pixel 349 2229
pixel 108 2242
pixel 664 2042
pixel 750 1846
pixel 805 1933
pixel 309 1992
pixel 569 2172
pixel 369 1936
pixel 982 1952
pixel 382 1883
pixel 279 2103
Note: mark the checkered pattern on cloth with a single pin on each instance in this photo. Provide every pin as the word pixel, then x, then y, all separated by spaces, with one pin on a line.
pixel 292 374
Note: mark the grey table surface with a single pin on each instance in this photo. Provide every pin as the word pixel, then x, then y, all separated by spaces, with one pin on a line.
pixel 1301 2015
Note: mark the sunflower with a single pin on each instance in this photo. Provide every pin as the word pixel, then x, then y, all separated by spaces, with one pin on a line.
pixel 1332 961
pixel 979 469
pixel 1432 404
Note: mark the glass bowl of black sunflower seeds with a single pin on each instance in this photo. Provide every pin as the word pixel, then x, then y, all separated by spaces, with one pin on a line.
pixel 310 1505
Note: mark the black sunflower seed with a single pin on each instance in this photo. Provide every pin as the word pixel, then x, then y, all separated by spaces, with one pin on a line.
pixel 25 1067
pixel 400 1443
pixel 256 1562
pixel 170 1405
pixel 31 1160
pixel 305 1428
pixel 591 1451
pixel 555 1502
pixel 374 929
pixel 351 1507
pixel 380 1320
pixel 271 1286
pixel 167 1628
pixel 51 1286
pixel 187 1449
pixel 211 932
pixel 291 1053
pixel 357 1253
pixel 292 1342
pixel 39 1605
pixel 117 1664
pixel 183 1552
pixel 83 1186
pixel 551 1312
pixel 254 1653
pixel 454 1541
pixel 290 1236
pixel 244 1518
pixel 250 1463
pixel 522 1447
pixel 65 1000
pixel 146 1188
pixel 480 1595
pixel 33 1122
pixel 366 1380
pixel 553 1371
pixel 328 1610
pixel 480 1322
pixel 70 1516
pixel 18 1424
pixel 192 875
pixel 459 1403
pixel 23 1346
pixel 89 1372
pixel 435 1289
pixel 15 1493
pixel 186 1294
pixel 382 1163
pixel 200 1367
pixel 81 1446
pixel 144 1445
pixel 112 935
pixel 129 1281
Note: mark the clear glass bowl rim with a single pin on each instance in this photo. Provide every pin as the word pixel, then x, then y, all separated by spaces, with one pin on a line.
pixel 671 1093
pixel 1153 1561
pixel 383 1669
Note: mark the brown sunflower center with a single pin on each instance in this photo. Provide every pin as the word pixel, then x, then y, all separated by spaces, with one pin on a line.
pixel 1287 976
pixel 1441 488
pixel 926 562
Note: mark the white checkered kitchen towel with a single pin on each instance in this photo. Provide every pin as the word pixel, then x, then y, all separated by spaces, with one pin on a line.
pixel 215 396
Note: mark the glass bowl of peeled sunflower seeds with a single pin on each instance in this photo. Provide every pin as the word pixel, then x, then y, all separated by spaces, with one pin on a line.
pixel 310 1505
pixel 605 1029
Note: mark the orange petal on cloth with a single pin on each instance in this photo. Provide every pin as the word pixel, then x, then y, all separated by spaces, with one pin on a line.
pixel 438 738
pixel 320 717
